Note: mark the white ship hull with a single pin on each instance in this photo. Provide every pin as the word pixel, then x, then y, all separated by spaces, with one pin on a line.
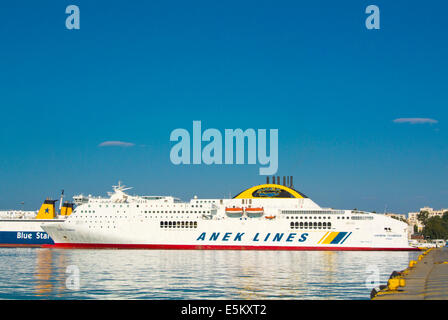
pixel 238 235
pixel 294 223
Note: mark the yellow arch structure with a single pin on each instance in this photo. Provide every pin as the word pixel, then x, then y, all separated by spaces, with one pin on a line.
pixel 248 193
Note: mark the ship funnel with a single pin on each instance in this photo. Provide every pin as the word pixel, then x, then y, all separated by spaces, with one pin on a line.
pixel 67 209
pixel 47 210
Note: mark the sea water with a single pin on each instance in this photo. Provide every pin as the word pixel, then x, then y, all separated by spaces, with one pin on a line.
pixel 41 273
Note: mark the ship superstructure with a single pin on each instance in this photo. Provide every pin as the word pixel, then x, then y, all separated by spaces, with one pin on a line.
pixel 270 216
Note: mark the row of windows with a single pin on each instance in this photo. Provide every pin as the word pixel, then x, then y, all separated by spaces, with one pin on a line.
pixel 323 217
pixel 313 211
pixel 178 224
pixel 315 217
pixel 183 211
pixel 180 211
pixel 362 218
pixel 156 206
pixel 315 225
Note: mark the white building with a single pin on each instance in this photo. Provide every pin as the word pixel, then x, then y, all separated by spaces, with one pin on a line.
pixel 412 216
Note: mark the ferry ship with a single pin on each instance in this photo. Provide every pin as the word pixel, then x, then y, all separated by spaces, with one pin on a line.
pixel 23 228
pixel 270 216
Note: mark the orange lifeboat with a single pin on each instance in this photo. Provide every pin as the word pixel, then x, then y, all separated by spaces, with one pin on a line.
pixel 254 212
pixel 234 211
pixel 270 217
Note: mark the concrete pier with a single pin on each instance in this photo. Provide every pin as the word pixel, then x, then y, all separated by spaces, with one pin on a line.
pixel 424 279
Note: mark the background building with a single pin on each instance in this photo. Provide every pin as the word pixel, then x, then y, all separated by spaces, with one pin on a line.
pixel 413 220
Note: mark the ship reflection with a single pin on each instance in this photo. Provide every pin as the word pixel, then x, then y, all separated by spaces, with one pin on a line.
pixel 49 274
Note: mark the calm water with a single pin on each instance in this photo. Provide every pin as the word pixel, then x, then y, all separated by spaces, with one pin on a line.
pixel 31 273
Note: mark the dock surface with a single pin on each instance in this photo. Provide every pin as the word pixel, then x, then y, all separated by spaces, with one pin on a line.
pixel 427 279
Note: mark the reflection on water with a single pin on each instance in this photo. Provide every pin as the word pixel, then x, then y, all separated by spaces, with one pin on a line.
pixel 35 273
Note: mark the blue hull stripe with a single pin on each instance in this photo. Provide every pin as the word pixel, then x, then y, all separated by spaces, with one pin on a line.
pixel 346 238
pixel 25 237
pixel 338 237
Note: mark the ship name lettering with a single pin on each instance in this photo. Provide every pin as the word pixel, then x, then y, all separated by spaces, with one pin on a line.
pixel 23 235
pixel 291 237
pixel 41 235
pixel 238 236
pixel 278 237
pixel 227 236
pixel 215 236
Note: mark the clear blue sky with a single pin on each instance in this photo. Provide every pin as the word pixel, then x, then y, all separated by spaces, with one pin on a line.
pixel 137 70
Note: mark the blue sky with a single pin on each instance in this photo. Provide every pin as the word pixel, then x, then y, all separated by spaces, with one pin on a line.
pixel 136 71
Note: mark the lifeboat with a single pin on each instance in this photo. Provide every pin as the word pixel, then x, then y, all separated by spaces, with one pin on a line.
pixel 255 210
pixel 270 217
pixel 234 212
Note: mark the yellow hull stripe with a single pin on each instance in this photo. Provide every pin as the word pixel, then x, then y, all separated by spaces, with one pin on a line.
pixel 330 237
pixel 323 237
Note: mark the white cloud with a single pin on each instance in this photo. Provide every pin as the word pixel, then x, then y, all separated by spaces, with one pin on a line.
pixel 116 144
pixel 415 120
